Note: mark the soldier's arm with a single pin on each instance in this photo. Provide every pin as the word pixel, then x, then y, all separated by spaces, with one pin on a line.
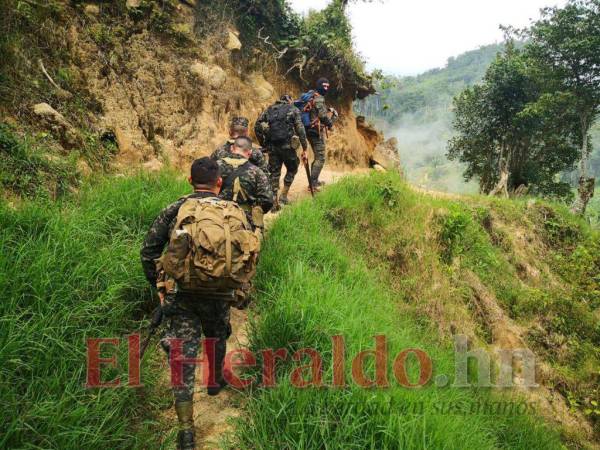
pixel 156 239
pixel 299 129
pixel 224 171
pixel 264 194
pixel 259 160
pixel 219 152
pixel 259 129
pixel 322 111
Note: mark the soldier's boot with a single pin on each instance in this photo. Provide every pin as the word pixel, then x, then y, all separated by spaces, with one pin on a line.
pixel 283 197
pixel 185 414
pixel 276 203
pixel 220 350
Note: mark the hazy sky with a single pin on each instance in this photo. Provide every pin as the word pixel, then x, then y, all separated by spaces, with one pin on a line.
pixel 411 36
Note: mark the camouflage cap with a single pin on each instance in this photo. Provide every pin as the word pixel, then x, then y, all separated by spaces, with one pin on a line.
pixel 239 122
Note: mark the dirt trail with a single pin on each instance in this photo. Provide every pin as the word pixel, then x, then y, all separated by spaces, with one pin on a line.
pixel 329 176
pixel 211 414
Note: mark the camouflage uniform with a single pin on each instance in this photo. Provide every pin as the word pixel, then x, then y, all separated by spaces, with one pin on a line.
pixel 189 315
pixel 255 196
pixel 257 158
pixel 316 136
pixel 284 153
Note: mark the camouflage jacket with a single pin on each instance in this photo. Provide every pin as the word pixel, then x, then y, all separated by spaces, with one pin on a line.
pixel 320 110
pixel 254 183
pixel 294 117
pixel 159 234
pixel 257 158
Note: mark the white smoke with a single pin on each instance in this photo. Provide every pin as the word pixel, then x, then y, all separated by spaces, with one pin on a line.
pixel 422 144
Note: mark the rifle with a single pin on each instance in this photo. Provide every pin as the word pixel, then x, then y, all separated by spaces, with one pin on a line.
pixel 307 168
pixel 157 317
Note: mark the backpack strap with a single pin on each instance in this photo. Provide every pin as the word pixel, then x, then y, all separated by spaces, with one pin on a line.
pixel 233 180
pixel 237 190
pixel 228 250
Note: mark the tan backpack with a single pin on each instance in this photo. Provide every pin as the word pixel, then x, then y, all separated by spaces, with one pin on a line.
pixel 211 246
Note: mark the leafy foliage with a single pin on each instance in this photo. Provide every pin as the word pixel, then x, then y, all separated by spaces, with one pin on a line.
pixel 321 277
pixel 307 48
pixel 27 171
pixel 506 120
pixel 565 49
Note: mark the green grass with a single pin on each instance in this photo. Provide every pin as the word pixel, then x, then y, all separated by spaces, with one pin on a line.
pixel 317 279
pixel 70 271
pixel 23 164
pixel 594 209
pixel 368 257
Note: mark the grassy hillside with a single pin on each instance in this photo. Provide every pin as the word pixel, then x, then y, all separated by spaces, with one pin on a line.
pixel 372 257
pixel 70 271
pixel 368 257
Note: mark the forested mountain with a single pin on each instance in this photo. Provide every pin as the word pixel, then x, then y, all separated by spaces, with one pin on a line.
pixel 417 111
pixel 431 90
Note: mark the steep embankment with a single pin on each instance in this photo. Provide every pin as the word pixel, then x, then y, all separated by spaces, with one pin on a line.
pixel 121 85
pixel 370 257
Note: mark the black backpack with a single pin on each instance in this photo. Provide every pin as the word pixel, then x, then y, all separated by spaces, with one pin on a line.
pixel 281 128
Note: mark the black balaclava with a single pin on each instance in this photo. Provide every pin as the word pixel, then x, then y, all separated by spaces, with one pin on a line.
pixel 323 86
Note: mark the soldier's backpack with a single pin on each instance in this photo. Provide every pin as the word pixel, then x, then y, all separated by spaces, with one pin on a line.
pixel 306 104
pixel 279 129
pixel 211 246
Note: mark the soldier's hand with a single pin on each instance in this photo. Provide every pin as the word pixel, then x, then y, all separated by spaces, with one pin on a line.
pixel 304 155
pixel 161 297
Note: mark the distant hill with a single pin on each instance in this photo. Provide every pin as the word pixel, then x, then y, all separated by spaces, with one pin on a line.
pixel 417 111
pixel 431 90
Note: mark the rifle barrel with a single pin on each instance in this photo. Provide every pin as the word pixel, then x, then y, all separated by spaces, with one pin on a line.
pixel 157 316
pixel 310 184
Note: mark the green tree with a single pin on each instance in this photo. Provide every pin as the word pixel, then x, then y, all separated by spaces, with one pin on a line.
pixel 565 46
pixel 507 133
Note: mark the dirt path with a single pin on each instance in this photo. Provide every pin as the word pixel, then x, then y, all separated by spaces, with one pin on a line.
pixel 329 176
pixel 212 414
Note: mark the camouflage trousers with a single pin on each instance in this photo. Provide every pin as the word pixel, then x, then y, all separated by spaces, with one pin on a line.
pixel 318 146
pixel 283 156
pixel 189 317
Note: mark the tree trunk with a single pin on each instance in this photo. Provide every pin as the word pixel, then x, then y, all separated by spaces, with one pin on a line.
pixel 586 184
pixel 501 187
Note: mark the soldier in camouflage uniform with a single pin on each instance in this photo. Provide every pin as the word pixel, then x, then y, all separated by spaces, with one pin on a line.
pixel 244 183
pixel 190 315
pixel 239 127
pixel 320 120
pixel 284 119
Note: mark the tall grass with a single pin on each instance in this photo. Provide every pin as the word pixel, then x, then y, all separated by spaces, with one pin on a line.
pixel 316 284
pixel 70 271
